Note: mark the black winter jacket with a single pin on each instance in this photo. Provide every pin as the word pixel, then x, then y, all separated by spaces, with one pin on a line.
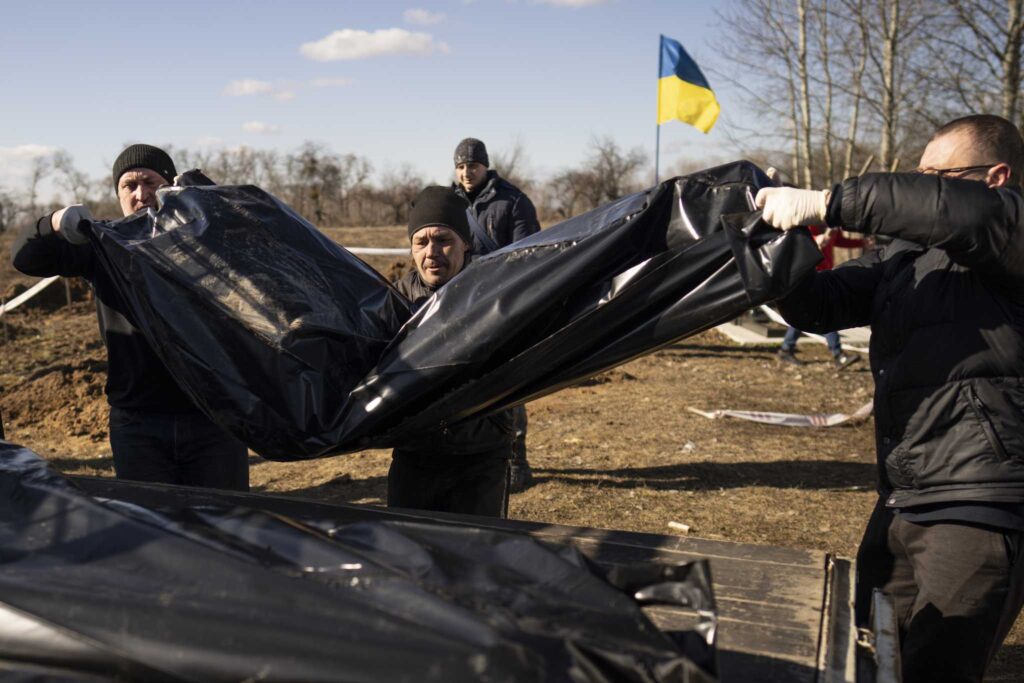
pixel 484 435
pixel 945 302
pixel 502 210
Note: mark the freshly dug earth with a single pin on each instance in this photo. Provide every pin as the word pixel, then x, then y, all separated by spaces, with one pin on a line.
pixel 618 451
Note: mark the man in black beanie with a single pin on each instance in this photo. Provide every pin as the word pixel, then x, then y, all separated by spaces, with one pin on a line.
pixel 500 214
pixel 465 468
pixel 156 433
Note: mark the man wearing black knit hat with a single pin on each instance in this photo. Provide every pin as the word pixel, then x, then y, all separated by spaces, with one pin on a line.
pixel 156 433
pixel 465 468
pixel 500 214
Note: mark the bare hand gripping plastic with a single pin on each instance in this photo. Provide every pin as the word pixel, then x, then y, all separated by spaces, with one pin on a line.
pixel 302 351
pixel 105 590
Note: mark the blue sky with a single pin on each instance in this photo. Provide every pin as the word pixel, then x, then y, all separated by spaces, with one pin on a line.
pixel 401 83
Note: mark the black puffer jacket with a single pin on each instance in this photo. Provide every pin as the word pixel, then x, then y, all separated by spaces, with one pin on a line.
pixel 945 302
pixel 502 210
pixel 487 434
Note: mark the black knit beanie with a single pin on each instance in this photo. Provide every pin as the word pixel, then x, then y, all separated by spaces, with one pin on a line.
pixel 144 156
pixel 471 149
pixel 437 205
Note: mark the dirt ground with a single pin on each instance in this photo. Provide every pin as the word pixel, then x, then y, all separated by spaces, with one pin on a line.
pixel 621 451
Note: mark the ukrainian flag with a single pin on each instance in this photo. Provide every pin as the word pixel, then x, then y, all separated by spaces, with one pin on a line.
pixel 683 92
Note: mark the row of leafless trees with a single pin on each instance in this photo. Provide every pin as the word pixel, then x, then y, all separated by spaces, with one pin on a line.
pixel 835 87
pixel 859 84
pixel 334 189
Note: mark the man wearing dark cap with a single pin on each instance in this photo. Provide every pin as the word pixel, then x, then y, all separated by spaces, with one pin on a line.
pixel 500 214
pixel 465 468
pixel 156 433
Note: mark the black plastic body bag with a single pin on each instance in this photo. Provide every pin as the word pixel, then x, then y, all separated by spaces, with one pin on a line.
pixel 302 350
pixel 101 590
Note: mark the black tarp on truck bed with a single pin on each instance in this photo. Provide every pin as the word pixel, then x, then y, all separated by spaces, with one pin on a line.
pixel 111 589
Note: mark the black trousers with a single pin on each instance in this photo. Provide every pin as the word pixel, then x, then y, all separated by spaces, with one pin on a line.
pixel 957 589
pixel 474 484
pixel 187 450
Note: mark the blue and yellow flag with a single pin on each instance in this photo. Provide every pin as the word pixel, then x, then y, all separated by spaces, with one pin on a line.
pixel 683 92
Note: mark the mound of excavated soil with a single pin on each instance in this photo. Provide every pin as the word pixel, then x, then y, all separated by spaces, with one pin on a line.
pixel 66 398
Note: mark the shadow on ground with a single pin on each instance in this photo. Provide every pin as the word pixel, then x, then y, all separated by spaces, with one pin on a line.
pixel 341 489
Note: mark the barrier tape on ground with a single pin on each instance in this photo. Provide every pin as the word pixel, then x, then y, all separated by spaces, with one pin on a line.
pixel 789 419
pixel 28 294
pixel 777 317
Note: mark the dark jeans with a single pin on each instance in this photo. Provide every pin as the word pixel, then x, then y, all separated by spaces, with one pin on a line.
pixel 188 450
pixel 474 484
pixel 832 338
pixel 519 445
pixel 957 588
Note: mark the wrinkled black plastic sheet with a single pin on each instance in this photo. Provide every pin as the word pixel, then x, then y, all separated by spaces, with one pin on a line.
pixel 109 589
pixel 299 348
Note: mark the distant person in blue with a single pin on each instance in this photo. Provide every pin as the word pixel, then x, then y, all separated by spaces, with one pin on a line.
pixel 500 214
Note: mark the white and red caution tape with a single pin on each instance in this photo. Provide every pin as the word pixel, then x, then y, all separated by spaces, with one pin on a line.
pixel 28 294
pixel 789 419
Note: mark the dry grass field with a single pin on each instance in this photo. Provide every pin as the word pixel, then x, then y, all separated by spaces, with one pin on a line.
pixel 620 451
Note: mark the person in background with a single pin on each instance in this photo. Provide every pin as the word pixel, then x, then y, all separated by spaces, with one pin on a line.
pixel 156 433
pixel 465 468
pixel 500 214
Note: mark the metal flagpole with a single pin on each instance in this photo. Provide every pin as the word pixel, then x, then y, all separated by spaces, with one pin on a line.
pixel 657 117
pixel 657 151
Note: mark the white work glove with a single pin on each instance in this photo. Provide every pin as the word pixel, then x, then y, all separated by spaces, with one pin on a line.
pixel 67 220
pixel 788 207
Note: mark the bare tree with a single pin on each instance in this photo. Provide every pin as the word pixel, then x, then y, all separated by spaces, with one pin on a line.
pixel 805 94
pixel 824 57
pixel 510 163
pixel 41 166
pixel 614 171
pixel 398 187
pixel 980 50
pixel 75 182
pixel 859 55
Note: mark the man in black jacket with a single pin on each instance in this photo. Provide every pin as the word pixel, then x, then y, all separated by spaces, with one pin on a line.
pixel 156 432
pixel 500 214
pixel 464 469
pixel 945 301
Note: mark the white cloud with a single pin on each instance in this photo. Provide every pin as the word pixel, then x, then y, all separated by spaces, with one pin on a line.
pixel 349 43
pixel 570 3
pixel 331 82
pixel 422 17
pixel 248 86
pixel 284 95
pixel 260 128
pixel 25 152
pixel 16 163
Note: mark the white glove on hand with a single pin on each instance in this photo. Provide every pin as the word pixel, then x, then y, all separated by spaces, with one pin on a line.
pixel 67 220
pixel 788 207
